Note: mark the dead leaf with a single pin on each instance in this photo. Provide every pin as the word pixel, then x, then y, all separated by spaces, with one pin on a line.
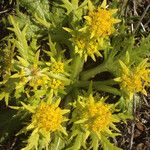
pixel 137 133
pixel 140 146
pixel 140 126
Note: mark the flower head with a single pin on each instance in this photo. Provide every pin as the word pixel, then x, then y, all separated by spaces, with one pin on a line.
pixel 37 77
pixel 97 115
pixel 57 67
pixel 135 79
pixel 85 46
pixel 48 117
pixel 101 22
pixel 32 75
pixel 56 84
pixel 94 119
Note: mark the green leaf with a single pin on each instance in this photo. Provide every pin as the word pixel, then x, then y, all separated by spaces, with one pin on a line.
pixel 10 123
pixel 90 6
pixel 95 142
pixel 28 107
pixel 52 47
pixel 42 22
pixel 2 95
pixel 107 145
pixel 21 42
pixel 104 4
pixel 124 67
pixel 67 5
pixel 77 143
pixel 80 121
pixel 32 141
pixel 40 8
pixel 58 143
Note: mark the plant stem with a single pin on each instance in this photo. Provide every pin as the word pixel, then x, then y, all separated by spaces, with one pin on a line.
pixel 58 142
pixel 76 67
pixel 95 83
pixel 85 75
pixel 133 122
pixel 140 21
pixel 100 85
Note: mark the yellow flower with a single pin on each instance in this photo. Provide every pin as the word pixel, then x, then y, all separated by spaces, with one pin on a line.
pixel 57 67
pixel 56 84
pixel 97 116
pixel 134 80
pixel 39 81
pixel 48 117
pixel 85 46
pixel 101 22
pixel 32 75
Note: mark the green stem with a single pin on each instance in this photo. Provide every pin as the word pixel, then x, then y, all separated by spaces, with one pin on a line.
pixel 95 83
pixel 74 3
pixel 85 75
pixel 76 67
pixel 108 89
pixel 105 86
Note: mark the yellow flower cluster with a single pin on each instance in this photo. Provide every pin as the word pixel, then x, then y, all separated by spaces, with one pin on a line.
pixel 135 80
pixel 57 67
pixel 131 83
pixel 93 37
pixel 101 22
pixel 36 77
pixel 58 76
pixel 32 75
pixel 39 81
pixel 99 116
pixel 96 115
pixel 48 117
pixel 56 84
pixel 87 47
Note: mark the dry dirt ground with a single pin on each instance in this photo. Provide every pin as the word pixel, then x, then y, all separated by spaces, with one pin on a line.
pixel 136 133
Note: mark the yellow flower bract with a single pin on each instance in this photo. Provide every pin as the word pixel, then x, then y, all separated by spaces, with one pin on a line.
pixel 134 80
pixel 87 47
pixel 48 117
pixel 101 22
pixel 56 84
pixel 58 67
pixel 99 116
pixel 32 75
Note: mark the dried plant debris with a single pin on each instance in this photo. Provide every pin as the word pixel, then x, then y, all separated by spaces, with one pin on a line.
pixel 141 134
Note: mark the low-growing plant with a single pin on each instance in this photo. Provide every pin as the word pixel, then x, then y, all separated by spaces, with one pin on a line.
pixel 65 63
